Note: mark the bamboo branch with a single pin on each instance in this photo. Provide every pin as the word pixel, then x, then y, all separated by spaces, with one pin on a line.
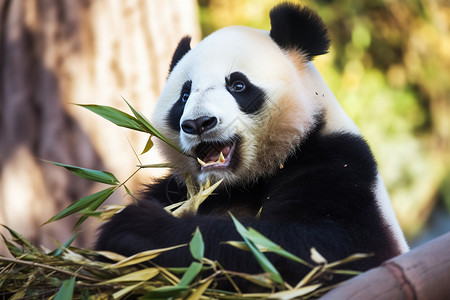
pixel 34 264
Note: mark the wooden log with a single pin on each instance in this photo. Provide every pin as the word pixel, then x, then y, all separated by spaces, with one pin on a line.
pixel 422 273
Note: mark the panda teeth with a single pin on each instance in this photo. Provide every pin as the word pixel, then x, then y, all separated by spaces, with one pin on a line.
pixel 221 158
pixel 201 162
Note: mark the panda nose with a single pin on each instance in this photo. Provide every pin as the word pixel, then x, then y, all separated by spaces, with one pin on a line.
pixel 199 125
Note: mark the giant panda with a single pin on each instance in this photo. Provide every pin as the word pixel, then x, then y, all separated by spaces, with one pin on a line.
pixel 249 107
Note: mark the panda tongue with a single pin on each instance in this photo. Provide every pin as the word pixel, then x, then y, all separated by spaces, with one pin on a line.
pixel 214 155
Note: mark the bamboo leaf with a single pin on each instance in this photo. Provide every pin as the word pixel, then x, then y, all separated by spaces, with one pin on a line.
pixel 90 211
pixel 141 275
pixel 148 146
pixel 191 186
pixel 289 294
pixel 244 246
pixel 83 203
pixel 145 123
pixel 19 295
pixel 169 276
pixel 166 292
pixel 143 256
pixel 193 203
pixel 265 264
pixel 129 193
pixel 264 245
pixel 177 270
pixel 346 272
pixel 72 256
pixel 263 280
pixel 239 245
pixel 13 249
pixel 292 294
pixel 196 246
pixel 171 207
pixel 200 290
pixel 182 270
pixel 19 239
pixel 262 242
pixel 111 255
pixel 60 249
pixel 193 270
pixel 348 259
pixel 66 290
pixel 308 277
pixel 109 211
pixel 89 174
pixel 115 116
pixel 123 292
pixel 317 257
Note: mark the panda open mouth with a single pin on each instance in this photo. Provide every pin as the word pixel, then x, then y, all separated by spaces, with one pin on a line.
pixel 215 154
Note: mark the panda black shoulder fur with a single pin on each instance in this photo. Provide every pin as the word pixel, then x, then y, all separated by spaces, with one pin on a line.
pixel 289 151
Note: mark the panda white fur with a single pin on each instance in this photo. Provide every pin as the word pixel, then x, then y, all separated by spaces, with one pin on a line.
pixel 289 151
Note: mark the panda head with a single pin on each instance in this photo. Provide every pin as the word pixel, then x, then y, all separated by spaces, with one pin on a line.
pixel 242 100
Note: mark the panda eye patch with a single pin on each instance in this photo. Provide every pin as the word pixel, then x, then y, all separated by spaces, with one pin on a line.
pixel 248 96
pixel 185 97
pixel 238 86
pixel 185 91
pixel 237 82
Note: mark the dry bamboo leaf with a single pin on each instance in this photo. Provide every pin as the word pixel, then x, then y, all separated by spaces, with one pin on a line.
pixel 262 279
pixel 69 255
pixel 198 292
pixel 244 246
pixel 192 204
pixel 348 259
pixel 126 290
pixel 142 256
pixel 309 276
pixel 19 295
pixel 190 186
pixel 141 275
pixel 112 255
pixel 317 257
pixel 286 295
pixel 171 207
pixel 172 279
pixel 109 211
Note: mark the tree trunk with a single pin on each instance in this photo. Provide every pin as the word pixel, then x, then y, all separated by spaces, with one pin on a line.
pixel 422 273
pixel 57 52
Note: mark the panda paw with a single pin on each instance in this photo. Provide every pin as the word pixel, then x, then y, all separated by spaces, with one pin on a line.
pixel 139 227
pixel 147 214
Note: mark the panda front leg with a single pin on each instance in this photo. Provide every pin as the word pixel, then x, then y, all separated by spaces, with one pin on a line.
pixel 147 225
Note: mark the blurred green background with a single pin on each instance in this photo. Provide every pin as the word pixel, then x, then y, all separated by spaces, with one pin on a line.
pixel 389 67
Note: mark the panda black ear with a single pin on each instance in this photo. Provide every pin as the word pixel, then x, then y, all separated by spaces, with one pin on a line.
pixel 299 28
pixel 184 46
